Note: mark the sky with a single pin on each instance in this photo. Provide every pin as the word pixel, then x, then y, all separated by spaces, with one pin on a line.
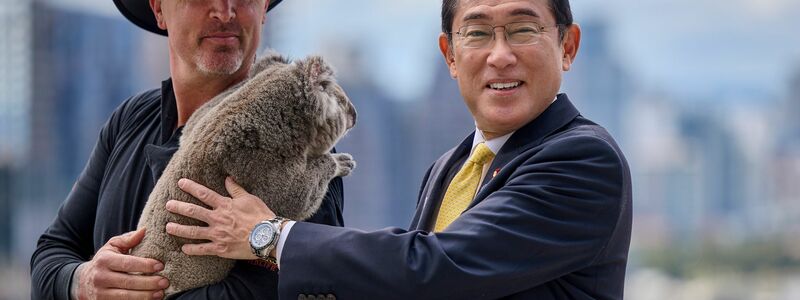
pixel 706 48
pixel 740 50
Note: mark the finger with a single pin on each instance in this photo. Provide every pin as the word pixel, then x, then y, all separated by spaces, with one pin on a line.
pixel 128 263
pixel 127 240
pixel 233 188
pixel 127 281
pixel 189 232
pixel 201 249
pixel 202 193
pixel 190 210
pixel 237 191
pixel 129 295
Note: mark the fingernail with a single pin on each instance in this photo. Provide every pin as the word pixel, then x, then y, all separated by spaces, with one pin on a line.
pixel 158 295
pixel 181 182
pixel 169 204
pixel 169 227
pixel 158 267
pixel 164 283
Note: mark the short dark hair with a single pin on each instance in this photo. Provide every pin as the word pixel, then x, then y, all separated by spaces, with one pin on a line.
pixel 560 9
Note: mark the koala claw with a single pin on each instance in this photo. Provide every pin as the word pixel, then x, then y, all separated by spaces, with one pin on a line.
pixel 344 164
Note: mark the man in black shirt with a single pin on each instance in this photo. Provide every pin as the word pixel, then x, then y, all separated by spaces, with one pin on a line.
pixel 83 254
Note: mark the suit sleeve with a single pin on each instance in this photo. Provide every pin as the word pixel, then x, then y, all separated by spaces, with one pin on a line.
pixel 253 281
pixel 68 241
pixel 554 215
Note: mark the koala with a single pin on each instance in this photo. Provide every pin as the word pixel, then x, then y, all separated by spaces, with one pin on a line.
pixel 272 133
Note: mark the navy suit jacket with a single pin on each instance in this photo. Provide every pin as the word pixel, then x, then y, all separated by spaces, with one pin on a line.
pixel 551 221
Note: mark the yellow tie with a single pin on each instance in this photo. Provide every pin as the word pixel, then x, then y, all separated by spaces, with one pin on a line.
pixel 463 187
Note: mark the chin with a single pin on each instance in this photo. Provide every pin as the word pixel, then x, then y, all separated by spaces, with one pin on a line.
pixel 220 66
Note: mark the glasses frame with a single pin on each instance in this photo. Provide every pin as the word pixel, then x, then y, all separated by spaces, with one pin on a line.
pixel 505 31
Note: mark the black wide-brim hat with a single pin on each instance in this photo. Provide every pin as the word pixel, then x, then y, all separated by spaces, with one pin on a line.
pixel 139 12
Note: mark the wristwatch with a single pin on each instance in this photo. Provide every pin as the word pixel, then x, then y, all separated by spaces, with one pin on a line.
pixel 264 238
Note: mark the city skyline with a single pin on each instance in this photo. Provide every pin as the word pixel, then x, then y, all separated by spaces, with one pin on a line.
pixel 709 51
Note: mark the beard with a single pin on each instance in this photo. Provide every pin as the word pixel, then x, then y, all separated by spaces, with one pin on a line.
pixel 220 61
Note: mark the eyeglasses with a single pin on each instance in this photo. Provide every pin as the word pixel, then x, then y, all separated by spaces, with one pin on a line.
pixel 517 34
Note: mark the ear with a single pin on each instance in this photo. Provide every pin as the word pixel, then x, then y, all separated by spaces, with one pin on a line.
pixel 447 51
pixel 318 74
pixel 270 57
pixel 317 77
pixel 155 5
pixel 570 45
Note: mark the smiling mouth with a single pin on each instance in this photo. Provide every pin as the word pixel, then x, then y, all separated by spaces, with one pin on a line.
pixel 502 86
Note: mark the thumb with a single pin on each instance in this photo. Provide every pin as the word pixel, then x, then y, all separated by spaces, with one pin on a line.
pixel 128 240
pixel 233 188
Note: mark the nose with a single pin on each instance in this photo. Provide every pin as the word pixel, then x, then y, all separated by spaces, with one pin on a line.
pixel 501 55
pixel 351 121
pixel 223 10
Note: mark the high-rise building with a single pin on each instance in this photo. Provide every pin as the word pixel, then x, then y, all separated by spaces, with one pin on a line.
pixel 597 83
pixel 83 66
pixel 15 73
pixel 785 162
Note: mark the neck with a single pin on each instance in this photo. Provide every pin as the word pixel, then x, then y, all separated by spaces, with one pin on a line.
pixel 489 135
pixel 192 90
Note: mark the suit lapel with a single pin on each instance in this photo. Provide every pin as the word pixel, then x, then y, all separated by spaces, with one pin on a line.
pixel 436 186
pixel 556 116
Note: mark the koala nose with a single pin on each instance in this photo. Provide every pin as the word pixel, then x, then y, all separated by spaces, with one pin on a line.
pixel 351 113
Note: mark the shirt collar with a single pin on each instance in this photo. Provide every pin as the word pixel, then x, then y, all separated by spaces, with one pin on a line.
pixel 169 111
pixel 496 143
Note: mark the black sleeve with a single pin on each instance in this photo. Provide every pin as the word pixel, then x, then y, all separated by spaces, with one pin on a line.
pixel 68 241
pixel 249 280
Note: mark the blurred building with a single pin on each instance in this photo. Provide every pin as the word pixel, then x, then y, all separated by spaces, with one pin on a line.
pixel 15 74
pixel 717 175
pixel 441 120
pixel 84 83
pixel 785 164
pixel 597 83
pixel 377 192
pixel 75 85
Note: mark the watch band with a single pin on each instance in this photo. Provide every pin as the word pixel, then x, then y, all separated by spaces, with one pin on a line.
pixel 264 253
pixel 277 222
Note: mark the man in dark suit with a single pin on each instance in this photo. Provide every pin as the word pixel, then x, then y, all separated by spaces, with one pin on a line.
pixel 535 204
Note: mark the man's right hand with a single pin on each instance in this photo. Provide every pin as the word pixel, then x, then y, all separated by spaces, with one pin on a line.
pixel 108 274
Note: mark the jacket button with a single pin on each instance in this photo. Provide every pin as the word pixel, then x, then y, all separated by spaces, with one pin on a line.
pixel 302 297
pixel 330 297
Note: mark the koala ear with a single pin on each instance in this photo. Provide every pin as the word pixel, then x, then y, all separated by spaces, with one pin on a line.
pixel 318 73
pixel 270 57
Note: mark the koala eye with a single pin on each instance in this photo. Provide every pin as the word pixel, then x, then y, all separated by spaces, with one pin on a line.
pixel 325 84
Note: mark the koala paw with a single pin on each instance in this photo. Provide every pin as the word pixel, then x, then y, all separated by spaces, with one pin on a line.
pixel 344 164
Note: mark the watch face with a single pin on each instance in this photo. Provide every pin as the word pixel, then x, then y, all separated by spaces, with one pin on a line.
pixel 261 236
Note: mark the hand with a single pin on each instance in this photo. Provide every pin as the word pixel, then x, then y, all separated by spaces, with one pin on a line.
pixel 108 274
pixel 230 220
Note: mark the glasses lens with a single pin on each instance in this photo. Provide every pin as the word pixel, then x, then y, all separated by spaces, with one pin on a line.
pixel 476 36
pixel 523 33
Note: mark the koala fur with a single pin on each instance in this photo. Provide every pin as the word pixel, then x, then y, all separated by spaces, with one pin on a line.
pixel 272 133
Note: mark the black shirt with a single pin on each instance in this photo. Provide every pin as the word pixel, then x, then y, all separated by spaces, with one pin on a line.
pixel 132 151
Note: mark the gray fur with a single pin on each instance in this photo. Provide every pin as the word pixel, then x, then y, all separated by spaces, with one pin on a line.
pixel 272 133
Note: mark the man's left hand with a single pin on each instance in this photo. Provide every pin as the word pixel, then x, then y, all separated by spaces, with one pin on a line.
pixel 230 220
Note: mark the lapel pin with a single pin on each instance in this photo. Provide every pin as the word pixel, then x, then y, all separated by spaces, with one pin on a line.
pixel 495 172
